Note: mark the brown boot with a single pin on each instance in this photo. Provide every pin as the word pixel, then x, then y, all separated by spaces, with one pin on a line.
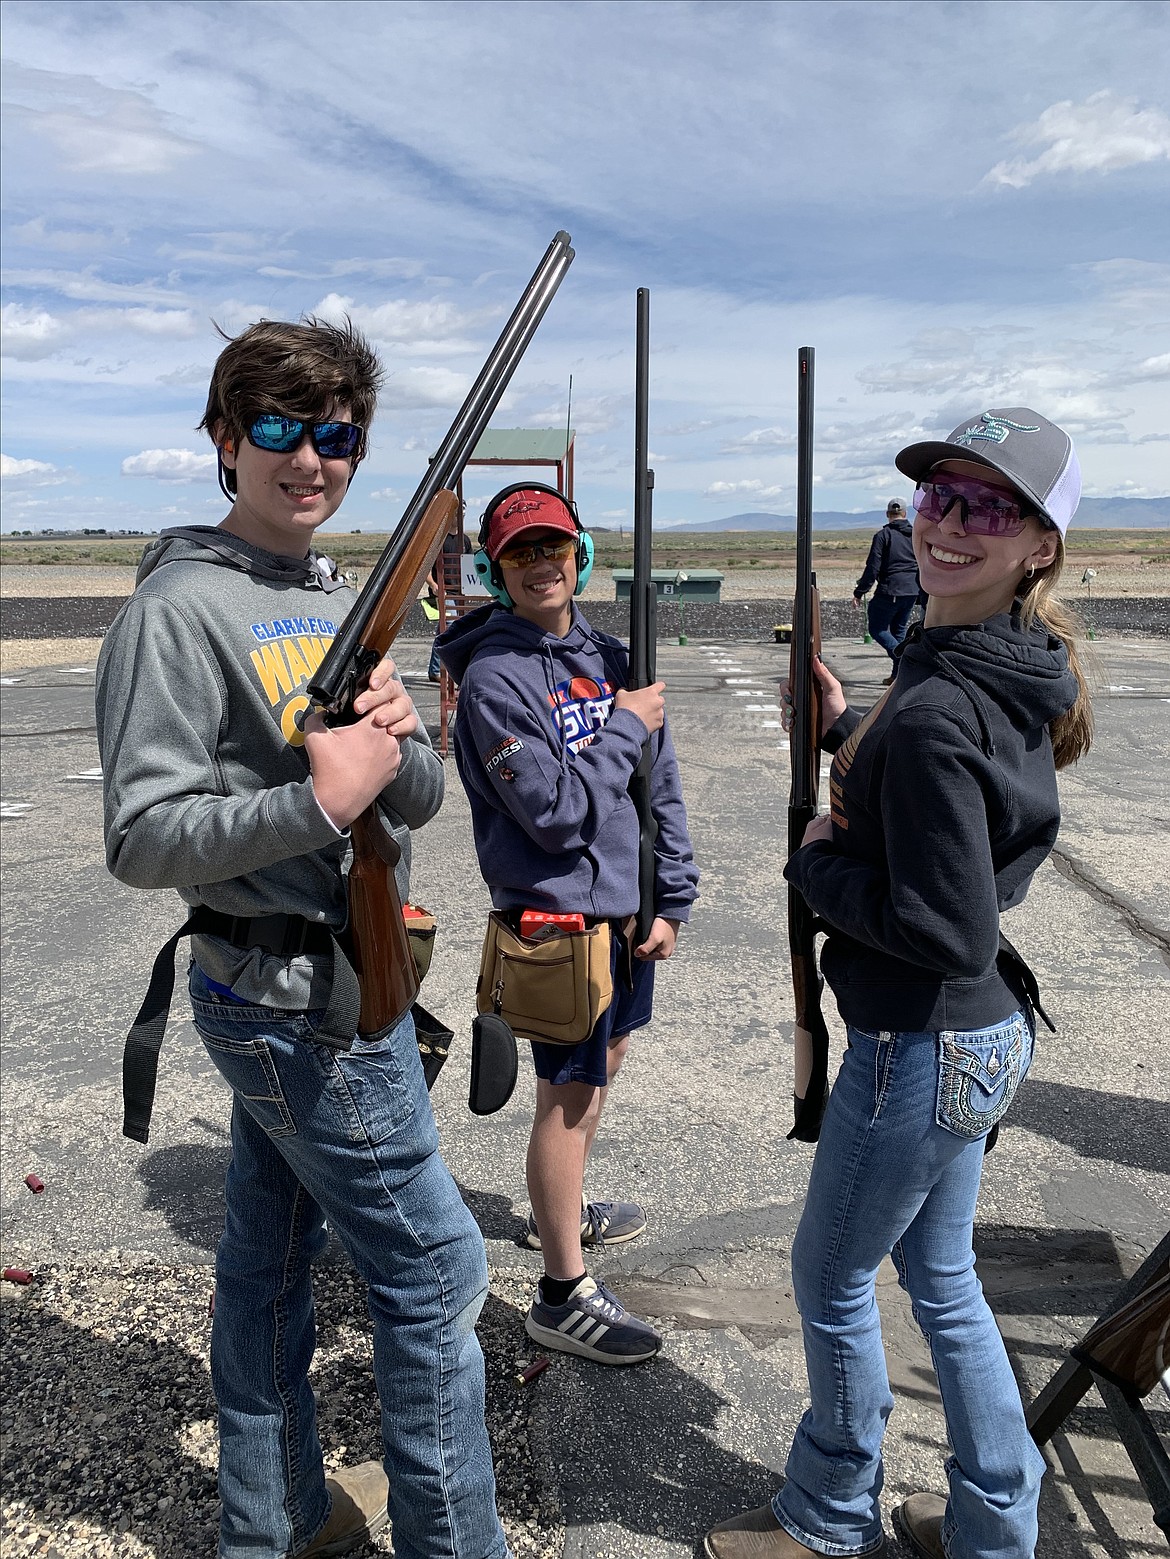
pixel 359 1511
pixel 758 1535
pixel 920 1519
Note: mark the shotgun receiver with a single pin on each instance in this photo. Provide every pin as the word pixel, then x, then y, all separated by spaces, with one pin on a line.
pixel 643 614
pixel 377 936
pixel 812 1037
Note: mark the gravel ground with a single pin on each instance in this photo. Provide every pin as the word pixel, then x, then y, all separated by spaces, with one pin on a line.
pixel 110 1449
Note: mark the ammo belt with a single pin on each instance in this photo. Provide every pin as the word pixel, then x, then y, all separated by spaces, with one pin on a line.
pixel 287 936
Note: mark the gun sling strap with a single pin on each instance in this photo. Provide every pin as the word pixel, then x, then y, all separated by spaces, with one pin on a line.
pixel 285 935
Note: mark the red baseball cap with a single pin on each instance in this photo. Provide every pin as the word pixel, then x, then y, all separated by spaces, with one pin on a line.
pixel 528 508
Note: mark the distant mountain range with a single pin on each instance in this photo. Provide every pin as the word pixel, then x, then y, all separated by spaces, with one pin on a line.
pixel 1094 513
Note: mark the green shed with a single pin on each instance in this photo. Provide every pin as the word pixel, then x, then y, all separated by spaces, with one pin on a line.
pixel 692 584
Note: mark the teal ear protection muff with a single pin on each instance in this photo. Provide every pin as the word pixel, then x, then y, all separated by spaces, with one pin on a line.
pixel 491 575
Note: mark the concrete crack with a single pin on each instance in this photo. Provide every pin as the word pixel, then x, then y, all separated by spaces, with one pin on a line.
pixel 1077 873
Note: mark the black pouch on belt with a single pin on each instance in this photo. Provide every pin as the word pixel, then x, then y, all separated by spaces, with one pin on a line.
pixel 493 1064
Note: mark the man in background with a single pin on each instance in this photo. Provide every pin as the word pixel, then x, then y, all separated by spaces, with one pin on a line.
pixel 892 568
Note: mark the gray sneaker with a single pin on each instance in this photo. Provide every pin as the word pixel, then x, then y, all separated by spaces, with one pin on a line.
pixel 602 1223
pixel 594 1324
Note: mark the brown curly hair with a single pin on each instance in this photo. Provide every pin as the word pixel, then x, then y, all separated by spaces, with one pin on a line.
pixel 299 370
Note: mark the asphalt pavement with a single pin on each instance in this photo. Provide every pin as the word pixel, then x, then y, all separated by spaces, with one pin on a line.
pixel 641 1461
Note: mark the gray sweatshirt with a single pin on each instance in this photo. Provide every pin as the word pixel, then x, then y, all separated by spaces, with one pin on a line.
pixel 207 786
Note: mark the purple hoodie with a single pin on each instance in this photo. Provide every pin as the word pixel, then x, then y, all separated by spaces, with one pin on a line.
pixel 546 761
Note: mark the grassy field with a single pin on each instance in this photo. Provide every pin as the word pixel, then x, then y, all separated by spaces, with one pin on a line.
pixel 720 549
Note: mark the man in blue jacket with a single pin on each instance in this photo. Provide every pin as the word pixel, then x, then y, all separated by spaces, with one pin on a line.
pixel 891 566
pixel 547 736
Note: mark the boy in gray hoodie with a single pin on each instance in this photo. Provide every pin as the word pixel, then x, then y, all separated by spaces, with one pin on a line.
pixel 213 789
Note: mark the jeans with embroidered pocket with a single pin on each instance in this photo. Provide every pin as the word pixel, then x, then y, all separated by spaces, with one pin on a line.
pixel 346 1136
pixel 897 1171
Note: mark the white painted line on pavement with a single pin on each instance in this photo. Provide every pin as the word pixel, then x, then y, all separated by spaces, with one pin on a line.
pixel 14 809
pixel 86 774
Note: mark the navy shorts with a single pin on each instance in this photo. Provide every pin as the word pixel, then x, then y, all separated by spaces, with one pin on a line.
pixel 629 1010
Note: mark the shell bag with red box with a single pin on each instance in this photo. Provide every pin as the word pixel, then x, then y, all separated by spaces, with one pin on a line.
pixel 543 977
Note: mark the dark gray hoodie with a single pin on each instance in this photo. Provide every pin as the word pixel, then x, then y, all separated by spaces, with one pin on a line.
pixel 944 803
pixel 207 786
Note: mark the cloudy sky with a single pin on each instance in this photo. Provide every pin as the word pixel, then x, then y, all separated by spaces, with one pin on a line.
pixel 958 204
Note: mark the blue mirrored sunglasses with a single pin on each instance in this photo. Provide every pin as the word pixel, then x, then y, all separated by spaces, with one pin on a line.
pixel 281 435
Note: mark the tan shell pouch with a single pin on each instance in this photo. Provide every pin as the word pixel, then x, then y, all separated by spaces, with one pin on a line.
pixel 553 990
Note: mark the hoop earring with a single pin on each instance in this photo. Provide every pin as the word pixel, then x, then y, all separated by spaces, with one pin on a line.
pixel 1030 571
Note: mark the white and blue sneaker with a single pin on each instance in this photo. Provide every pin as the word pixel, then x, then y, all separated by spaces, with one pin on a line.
pixel 594 1324
pixel 602 1223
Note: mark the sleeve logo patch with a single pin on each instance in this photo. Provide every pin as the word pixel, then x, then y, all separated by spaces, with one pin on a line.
pixel 503 749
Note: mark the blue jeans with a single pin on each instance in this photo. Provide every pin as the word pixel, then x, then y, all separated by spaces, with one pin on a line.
pixel 889 617
pixel 350 1137
pixel 897 1169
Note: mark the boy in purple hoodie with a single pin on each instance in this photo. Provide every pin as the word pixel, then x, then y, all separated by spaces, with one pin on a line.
pixel 547 736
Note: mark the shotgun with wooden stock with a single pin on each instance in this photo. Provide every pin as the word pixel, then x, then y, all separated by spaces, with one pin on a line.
pixel 812 1037
pixel 377 938
pixel 643 615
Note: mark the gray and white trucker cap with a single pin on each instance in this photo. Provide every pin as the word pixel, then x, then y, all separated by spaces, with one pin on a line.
pixel 1035 455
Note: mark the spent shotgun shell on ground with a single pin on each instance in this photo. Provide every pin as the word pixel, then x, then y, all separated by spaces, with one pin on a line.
pixel 529 1373
pixel 16 1275
pixel 35 1184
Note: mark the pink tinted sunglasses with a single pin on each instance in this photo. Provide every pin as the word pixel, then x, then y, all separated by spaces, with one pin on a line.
pixel 983 510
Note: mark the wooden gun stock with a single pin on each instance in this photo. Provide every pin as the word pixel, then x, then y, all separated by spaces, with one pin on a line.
pixel 379 945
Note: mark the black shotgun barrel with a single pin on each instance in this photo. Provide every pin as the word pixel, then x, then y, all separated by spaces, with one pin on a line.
pixel 804 739
pixel 643 616
pixel 643 595
pixel 333 675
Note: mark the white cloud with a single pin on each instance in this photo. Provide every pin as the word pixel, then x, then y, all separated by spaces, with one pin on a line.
pixel 190 373
pixel 1100 135
pixel 761 438
pixel 957 370
pixel 147 322
pixel 415 389
pixel 1126 487
pixel 428 325
pixel 749 487
pixel 96 129
pixel 170 465
pixel 89 287
pixel 66 240
pixel 30 333
pixel 683 429
pixel 592 414
pixel 40 471
pixel 1154 367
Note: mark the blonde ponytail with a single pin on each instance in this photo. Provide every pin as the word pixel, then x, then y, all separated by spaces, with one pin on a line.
pixel 1071 732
